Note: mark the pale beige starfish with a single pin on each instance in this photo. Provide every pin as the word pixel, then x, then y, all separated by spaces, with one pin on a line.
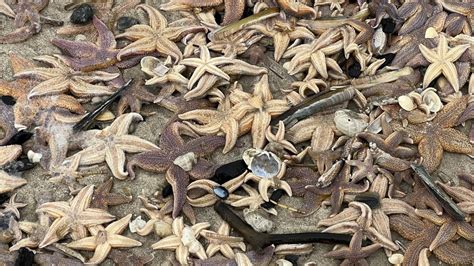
pixel 72 217
pixel 104 239
pixel 184 241
pixel 221 241
pixel 111 143
pixel 9 183
pixel 442 62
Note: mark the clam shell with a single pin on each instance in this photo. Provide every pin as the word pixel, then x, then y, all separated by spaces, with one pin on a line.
pixel 262 163
pixel 431 98
pixel 349 122
pixel 406 103
pixel 186 161
pixel 105 116
pixel 153 66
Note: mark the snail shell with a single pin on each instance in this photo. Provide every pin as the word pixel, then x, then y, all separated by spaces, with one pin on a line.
pixel 349 122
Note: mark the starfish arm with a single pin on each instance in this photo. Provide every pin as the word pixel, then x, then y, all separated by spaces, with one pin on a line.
pixel 19 35
pixel 455 141
pixel 74 48
pixel 82 200
pixel 88 243
pixel 202 116
pixel 167 243
pixel 231 131
pixel 276 107
pixel 133 144
pixel 261 121
pixel 203 169
pixel 433 71
pixel 466 231
pixel 454 254
pixel 117 227
pixel 451 74
pixel 446 232
pixel 58 229
pixel 431 151
pixel 6 9
pixel 51 86
pixel 140 46
pixel 454 53
pixel 55 209
pixel 182 253
pixel 157 20
pixel 155 161
pixel 118 241
pixel 449 115
pixel 100 253
pixel 91 155
pixel 115 159
pixel 136 32
pixel 82 89
pixel 122 123
pixel 430 55
pixel 167 47
pixel 234 9
pixel 179 180
pixel 90 217
pixel 105 38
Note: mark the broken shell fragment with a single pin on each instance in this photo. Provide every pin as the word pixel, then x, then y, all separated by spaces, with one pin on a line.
pixel 396 259
pixel 153 66
pixel 186 161
pixel 258 222
pixel 432 100
pixel 349 122
pixel 137 224
pixel 262 163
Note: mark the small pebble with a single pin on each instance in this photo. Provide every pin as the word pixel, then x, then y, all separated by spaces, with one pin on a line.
pixel 82 14
pixel 388 59
pixel 137 224
pixel 354 70
pixel 388 25
pixel 8 100
pixel 124 23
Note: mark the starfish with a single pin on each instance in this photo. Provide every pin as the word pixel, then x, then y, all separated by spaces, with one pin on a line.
pixel 26 109
pixel 234 9
pixel 156 37
pixel 442 62
pixel 449 228
pixel 260 257
pixel 9 153
pixel 88 56
pixel 72 217
pixel 159 222
pixel 277 142
pixel 437 135
pixel 223 120
pixel 134 97
pixel 102 198
pixel 178 160
pixel 27 19
pixel 210 198
pixel 61 78
pixel 9 183
pixel 104 239
pixel 35 231
pixel 259 108
pixel 421 236
pixel 299 178
pixel 421 198
pixel 221 241
pixel 235 44
pixel 252 201
pixel 111 143
pixel 164 73
pixel 355 254
pixel 12 206
pixel 338 187
pixel 183 241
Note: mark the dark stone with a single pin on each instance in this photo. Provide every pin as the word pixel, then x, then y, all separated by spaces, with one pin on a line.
pixel 388 25
pixel 124 23
pixel 167 191
pixel 229 171
pixel 25 257
pixel 221 192
pixel 354 70
pixel 388 59
pixel 372 199
pixel 292 258
pixel 23 164
pixel 8 100
pixel 82 14
pixel 20 137
pixel 3 198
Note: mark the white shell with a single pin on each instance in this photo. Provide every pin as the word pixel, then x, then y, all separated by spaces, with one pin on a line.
pixel 34 157
pixel 257 221
pixel 406 103
pixel 163 229
pixel 349 122
pixel 137 224
pixel 431 98
pixel 262 163
pixel 379 40
pixel 186 161
pixel 153 66
pixel 396 259
pixel 431 33
pixel 189 240
pixel 283 262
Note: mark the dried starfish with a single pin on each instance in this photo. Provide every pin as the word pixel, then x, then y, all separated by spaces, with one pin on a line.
pixel 27 19
pixel 435 136
pixel 12 206
pixel 88 56
pixel 225 120
pixel 159 222
pixel 449 228
pixel 277 142
pixel 210 197
pixel 26 109
pixel 72 217
pixel 35 231
pixel 421 198
pixel 234 9
pixel 111 143
pixel 421 235
pixel 221 241
pixel 235 44
pixel 9 183
pixel 61 78
pixel 183 241
pixel 442 62
pixel 133 98
pixel 102 198
pixel 156 37
pixel 299 178
pixel 178 160
pixel 259 108
pixel 355 253
pixel 104 239
pixel 9 153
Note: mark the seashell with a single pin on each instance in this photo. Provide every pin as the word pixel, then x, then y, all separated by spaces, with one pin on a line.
pixel 396 259
pixel 105 116
pixel 163 229
pixel 137 224
pixel 34 157
pixel 349 122
pixel 379 40
pixel 431 33
pixel 189 240
pixel 264 164
pixel 432 100
pixel 283 262
pixel 153 66
pixel 186 161
pixel 406 103
pixel 257 221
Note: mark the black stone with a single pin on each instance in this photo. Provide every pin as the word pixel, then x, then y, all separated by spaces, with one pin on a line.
pixel 20 165
pixel 20 137
pixel 372 199
pixel 8 100
pixel 388 59
pixel 167 191
pixel 229 171
pixel 124 23
pixel 221 192
pixel 388 25
pixel 292 258
pixel 3 198
pixel 354 70
pixel 25 257
pixel 82 14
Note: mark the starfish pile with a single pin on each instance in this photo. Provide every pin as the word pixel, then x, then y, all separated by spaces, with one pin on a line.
pixel 228 69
